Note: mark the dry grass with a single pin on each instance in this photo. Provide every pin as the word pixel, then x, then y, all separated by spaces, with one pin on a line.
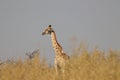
pixel 84 65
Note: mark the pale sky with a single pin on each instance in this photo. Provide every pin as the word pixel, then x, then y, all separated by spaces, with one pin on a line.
pixel 96 22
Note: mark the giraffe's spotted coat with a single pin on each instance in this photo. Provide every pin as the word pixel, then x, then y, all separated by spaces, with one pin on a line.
pixel 60 56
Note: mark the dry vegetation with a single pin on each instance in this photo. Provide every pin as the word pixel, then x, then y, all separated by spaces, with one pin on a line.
pixel 84 65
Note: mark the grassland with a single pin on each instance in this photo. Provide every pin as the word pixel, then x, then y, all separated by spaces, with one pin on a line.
pixel 83 65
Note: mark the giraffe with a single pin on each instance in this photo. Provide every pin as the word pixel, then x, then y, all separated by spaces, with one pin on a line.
pixel 60 57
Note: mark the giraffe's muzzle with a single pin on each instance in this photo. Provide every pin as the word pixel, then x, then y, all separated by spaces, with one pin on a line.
pixel 43 33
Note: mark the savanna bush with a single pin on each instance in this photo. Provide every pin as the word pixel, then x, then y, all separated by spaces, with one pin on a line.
pixel 83 65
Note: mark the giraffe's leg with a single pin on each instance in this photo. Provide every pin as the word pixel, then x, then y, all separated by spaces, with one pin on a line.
pixel 63 67
pixel 56 67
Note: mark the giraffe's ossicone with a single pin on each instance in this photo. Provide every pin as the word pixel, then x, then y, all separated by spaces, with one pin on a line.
pixel 60 57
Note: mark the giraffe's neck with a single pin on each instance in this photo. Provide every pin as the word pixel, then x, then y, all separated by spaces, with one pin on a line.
pixel 56 46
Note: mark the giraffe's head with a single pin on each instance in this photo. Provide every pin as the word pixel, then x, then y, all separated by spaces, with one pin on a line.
pixel 48 30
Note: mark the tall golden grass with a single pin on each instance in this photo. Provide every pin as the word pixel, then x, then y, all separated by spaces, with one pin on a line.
pixel 83 65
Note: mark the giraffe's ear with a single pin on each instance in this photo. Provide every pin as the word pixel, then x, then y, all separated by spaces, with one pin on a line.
pixel 50 26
